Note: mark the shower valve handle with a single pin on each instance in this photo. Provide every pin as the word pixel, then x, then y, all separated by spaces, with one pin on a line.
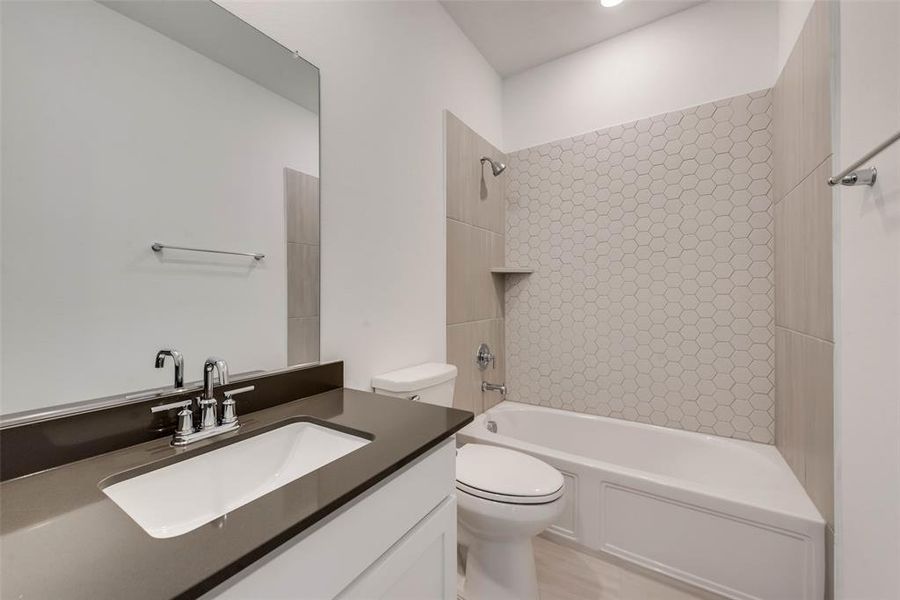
pixel 484 357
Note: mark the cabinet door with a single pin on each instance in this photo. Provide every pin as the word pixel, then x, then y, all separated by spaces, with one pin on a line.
pixel 334 553
pixel 420 566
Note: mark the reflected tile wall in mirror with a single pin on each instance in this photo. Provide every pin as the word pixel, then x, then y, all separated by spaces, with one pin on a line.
pixel 303 251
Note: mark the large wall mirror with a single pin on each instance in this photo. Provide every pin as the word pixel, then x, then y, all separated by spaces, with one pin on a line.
pixel 126 124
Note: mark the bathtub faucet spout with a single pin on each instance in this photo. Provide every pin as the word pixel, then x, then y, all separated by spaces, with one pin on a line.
pixel 493 387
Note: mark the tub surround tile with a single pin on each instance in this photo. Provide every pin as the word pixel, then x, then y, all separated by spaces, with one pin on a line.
pixel 457 271
pixel 804 418
pixel 787 127
pixel 802 128
pixel 473 293
pixel 829 563
pixel 803 257
pixel 815 126
pixel 495 336
pixel 474 195
pixel 462 341
pixel 819 480
pixel 790 422
pixel 460 147
pixel 475 243
pixel 652 296
pixel 804 381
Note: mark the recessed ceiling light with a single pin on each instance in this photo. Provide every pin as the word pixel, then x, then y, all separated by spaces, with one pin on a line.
pixel 610 3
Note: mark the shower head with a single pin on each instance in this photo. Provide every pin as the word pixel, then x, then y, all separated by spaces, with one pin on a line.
pixel 496 167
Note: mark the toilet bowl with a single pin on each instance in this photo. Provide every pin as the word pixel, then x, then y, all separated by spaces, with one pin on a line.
pixel 504 497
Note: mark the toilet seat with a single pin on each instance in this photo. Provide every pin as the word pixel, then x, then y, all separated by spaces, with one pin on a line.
pixel 486 495
pixel 507 476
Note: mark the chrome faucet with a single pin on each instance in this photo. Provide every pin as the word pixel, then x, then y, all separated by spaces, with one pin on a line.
pixel 210 425
pixel 220 367
pixel 208 403
pixel 178 359
pixel 493 387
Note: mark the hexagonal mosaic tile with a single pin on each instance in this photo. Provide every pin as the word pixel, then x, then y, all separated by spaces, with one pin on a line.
pixel 652 296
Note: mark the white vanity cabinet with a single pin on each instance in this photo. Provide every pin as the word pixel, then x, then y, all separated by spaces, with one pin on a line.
pixel 421 565
pixel 396 541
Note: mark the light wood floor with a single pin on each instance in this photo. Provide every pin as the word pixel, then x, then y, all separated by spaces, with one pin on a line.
pixel 567 574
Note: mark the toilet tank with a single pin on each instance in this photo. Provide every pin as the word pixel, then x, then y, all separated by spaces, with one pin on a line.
pixel 430 382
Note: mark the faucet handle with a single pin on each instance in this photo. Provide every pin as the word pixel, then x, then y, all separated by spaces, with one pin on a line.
pixel 171 405
pixel 236 391
pixel 185 415
pixel 229 414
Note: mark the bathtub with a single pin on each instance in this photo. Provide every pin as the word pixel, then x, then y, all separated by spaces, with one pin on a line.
pixel 721 514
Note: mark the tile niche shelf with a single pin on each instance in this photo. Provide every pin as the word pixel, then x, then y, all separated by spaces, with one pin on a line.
pixel 512 270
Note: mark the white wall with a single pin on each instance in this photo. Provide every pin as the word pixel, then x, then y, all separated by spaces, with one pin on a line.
pixel 712 51
pixel 791 17
pixel 867 259
pixel 388 70
pixel 115 136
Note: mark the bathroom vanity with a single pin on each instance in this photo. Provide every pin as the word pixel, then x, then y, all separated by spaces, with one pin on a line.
pixel 379 521
pixel 408 550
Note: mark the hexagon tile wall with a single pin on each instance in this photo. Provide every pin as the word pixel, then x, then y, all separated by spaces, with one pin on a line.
pixel 652 296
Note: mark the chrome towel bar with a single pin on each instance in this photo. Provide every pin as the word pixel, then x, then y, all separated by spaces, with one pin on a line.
pixel 850 175
pixel 159 246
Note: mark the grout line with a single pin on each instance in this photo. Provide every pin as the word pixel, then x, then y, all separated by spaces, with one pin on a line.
pixel 802 179
pixel 475 226
pixel 806 335
pixel 475 321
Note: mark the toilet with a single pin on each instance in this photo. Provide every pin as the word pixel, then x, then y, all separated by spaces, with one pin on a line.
pixel 504 497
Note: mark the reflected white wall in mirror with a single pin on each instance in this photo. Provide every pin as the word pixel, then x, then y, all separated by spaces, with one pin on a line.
pixel 115 135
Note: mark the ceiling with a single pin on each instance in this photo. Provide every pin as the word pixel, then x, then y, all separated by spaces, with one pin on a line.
pixel 514 35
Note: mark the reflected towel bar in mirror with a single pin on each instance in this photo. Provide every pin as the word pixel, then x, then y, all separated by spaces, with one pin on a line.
pixel 159 246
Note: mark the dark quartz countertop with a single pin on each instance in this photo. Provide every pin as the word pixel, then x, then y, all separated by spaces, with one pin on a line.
pixel 61 537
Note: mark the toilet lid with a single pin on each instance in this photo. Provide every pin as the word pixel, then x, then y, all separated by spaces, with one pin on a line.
pixel 506 475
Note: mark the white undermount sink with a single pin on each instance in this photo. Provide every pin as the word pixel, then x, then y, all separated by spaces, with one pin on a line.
pixel 178 498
